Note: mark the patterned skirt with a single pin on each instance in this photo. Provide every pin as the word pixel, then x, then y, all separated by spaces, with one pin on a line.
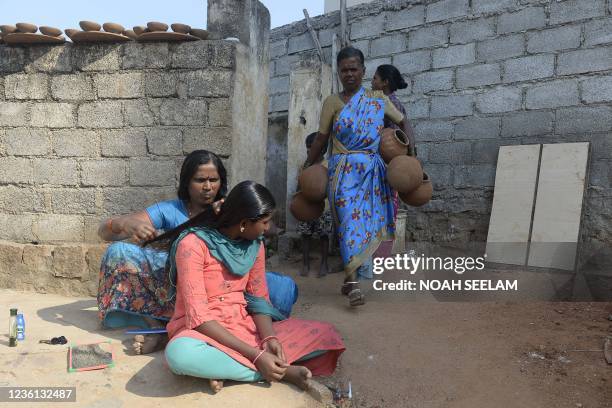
pixel 133 284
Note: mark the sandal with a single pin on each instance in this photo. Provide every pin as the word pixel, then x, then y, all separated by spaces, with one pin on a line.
pixel 356 298
pixel 347 287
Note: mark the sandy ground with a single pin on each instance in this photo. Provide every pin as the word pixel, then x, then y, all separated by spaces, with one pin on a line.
pixel 424 353
pixel 134 381
pixel 400 353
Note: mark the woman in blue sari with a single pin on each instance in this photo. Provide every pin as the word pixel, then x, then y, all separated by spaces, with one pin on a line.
pixel 358 192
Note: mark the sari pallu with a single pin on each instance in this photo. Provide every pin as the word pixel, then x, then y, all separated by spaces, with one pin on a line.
pixel 360 198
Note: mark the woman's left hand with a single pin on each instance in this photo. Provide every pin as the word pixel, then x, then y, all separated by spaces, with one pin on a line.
pixel 275 347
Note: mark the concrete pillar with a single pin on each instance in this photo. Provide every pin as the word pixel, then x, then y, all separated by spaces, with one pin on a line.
pixel 249 21
pixel 309 85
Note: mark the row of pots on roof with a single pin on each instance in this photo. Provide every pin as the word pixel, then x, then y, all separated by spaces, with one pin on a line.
pixel 26 33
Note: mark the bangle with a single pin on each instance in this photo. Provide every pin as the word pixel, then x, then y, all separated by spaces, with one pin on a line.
pixel 259 355
pixel 109 225
pixel 261 343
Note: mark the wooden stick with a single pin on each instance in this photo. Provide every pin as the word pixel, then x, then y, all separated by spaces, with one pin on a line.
pixel 334 66
pixel 343 24
pixel 313 34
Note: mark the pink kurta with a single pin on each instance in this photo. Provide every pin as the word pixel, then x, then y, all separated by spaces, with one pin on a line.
pixel 206 290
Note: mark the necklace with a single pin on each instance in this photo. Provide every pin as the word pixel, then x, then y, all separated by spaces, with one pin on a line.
pixel 189 212
pixel 346 97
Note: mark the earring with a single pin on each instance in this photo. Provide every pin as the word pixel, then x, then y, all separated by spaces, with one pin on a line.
pixel 241 229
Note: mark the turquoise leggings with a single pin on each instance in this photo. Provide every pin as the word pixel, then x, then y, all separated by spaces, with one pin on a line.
pixel 193 357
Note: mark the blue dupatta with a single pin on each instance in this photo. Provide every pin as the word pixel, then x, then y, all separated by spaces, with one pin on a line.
pixel 359 195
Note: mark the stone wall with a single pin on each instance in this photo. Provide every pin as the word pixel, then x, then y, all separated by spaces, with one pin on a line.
pixel 90 131
pixel 481 74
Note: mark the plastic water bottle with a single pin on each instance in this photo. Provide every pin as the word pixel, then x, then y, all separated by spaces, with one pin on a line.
pixel 20 327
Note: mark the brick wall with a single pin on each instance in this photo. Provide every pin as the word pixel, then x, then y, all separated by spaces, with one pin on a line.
pixel 481 74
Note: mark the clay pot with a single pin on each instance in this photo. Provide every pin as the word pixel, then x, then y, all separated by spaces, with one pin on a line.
pixel 70 31
pixel 181 28
pixel 313 182
pixel 52 31
pixel 8 29
pixel 304 210
pixel 198 32
pixel 89 26
pixel 131 34
pixel 404 174
pixel 393 143
pixel 26 28
pixel 139 29
pixel 113 28
pixel 420 196
pixel 157 26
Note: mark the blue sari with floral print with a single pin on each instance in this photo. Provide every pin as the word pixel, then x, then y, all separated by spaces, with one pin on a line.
pixel 359 194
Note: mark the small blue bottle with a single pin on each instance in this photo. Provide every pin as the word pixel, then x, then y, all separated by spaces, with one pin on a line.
pixel 20 327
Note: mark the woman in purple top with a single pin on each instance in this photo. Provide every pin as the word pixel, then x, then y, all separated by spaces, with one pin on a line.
pixel 132 284
pixel 388 79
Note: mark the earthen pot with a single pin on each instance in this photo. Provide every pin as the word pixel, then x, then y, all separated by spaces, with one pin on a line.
pixel 89 26
pixel 70 31
pixel 52 31
pixel 113 28
pixel 157 26
pixel 198 32
pixel 404 174
pixel 420 196
pixel 26 28
pixel 139 29
pixel 393 143
pixel 304 210
pixel 181 28
pixel 313 182
pixel 131 34
pixel 8 29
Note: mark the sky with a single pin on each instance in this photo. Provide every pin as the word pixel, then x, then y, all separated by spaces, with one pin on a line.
pixel 67 13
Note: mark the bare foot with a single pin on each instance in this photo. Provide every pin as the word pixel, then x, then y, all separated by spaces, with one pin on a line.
pixel 299 376
pixel 216 385
pixel 149 343
pixel 305 270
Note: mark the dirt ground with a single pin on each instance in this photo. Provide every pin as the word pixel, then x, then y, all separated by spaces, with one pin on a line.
pixel 424 353
pixel 400 353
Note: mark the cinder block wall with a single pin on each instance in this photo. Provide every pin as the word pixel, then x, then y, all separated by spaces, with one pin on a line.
pixel 481 74
pixel 89 131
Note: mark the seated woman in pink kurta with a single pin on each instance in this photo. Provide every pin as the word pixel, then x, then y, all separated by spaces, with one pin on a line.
pixel 222 324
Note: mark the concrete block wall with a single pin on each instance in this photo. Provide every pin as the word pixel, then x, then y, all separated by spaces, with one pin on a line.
pixel 481 74
pixel 75 136
pixel 90 131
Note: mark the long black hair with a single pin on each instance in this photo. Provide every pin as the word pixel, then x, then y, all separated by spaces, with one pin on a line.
pixel 310 140
pixel 350 52
pixel 247 200
pixel 390 73
pixel 190 167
